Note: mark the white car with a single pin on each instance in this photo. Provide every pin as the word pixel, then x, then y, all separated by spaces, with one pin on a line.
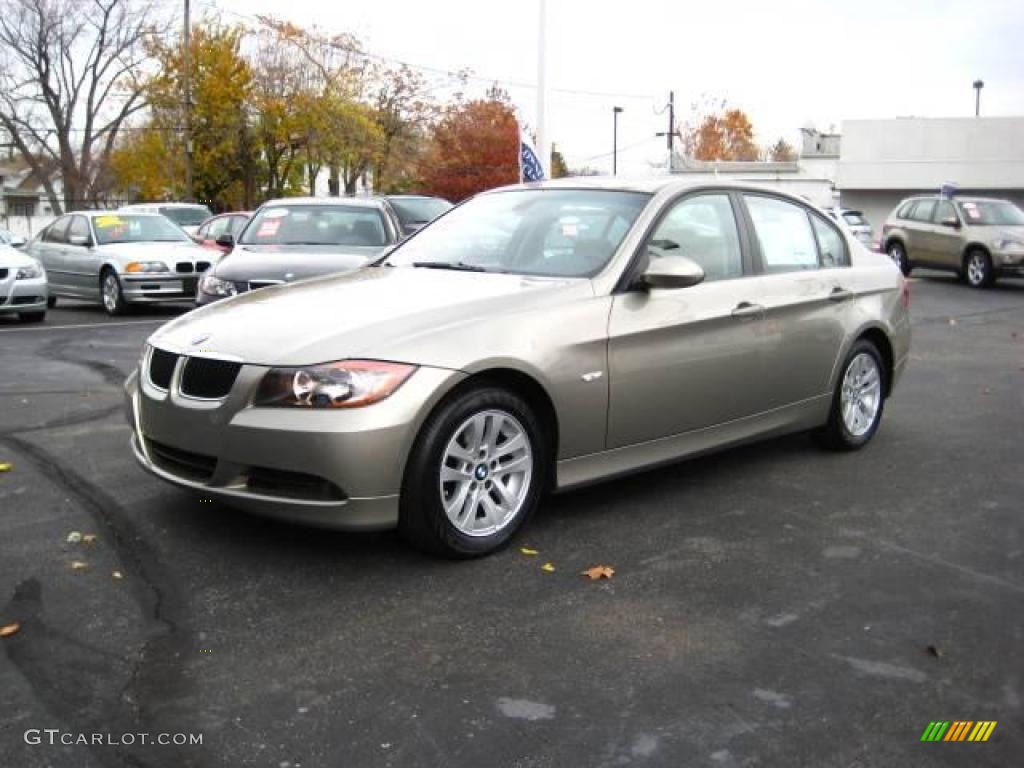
pixel 855 222
pixel 23 289
pixel 11 238
pixel 188 216
pixel 120 258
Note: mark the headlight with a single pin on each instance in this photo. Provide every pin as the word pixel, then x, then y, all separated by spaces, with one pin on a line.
pixel 214 286
pixel 344 384
pixel 31 272
pixel 134 267
pixel 1008 245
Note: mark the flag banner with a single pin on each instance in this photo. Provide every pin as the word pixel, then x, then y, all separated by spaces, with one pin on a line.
pixel 530 168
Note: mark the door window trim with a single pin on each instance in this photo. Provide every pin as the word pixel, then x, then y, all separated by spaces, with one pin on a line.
pixel 761 268
pixel 638 261
pixel 847 261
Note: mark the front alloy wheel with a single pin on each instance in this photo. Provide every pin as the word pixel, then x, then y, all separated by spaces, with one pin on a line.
pixel 979 270
pixel 113 296
pixel 474 475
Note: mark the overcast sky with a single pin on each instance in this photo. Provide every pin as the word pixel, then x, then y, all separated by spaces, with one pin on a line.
pixel 787 63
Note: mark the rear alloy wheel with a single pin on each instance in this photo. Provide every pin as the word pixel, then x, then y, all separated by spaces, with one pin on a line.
pixel 474 476
pixel 858 401
pixel 899 255
pixel 111 293
pixel 978 270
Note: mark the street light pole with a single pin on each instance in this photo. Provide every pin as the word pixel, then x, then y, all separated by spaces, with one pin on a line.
pixel 978 85
pixel 543 141
pixel 616 111
pixel 186 76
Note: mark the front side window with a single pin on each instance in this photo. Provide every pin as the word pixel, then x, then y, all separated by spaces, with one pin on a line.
pixel 784 233
pixel 831 244
pixel 350 225
pixel 992 213
pixel 543 232
pixel 237 225
pixel 217 227
pixel 923 210
pixel 702 228
pixel 136 228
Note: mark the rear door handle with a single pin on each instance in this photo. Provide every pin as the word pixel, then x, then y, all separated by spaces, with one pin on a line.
pixel 840 294
pixel 745 310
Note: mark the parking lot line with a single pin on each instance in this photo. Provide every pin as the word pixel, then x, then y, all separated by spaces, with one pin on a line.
pixel 84 325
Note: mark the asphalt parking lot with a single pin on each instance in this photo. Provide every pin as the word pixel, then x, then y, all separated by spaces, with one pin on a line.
pixel 773 605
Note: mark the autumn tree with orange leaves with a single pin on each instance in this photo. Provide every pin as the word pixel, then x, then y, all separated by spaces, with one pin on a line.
pixel 721 135
pixel 474 147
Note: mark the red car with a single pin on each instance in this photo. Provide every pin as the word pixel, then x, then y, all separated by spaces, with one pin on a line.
pixel 223 224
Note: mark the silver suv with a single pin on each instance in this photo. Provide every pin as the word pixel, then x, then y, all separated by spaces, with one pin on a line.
pixel 978 238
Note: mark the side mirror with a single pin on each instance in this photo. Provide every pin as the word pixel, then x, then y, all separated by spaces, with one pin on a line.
pixel 227 240
pixel 671 272
pixel 84 240
pixel 952 221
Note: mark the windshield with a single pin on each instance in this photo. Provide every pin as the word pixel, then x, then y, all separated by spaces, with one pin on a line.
pixel 991 212
pixel 419 210
pixel 136 228
pixel 547 232
pixel 854 218
pixel 349 225
pixel 186 216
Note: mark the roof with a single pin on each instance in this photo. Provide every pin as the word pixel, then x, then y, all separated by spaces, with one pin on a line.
pixel 649 185
pixel 359 202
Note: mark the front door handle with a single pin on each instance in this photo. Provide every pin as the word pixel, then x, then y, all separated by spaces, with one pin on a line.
pixel 840 294
pixel 746 310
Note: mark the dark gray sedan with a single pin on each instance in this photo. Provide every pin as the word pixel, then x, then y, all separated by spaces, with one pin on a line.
pixel 295 238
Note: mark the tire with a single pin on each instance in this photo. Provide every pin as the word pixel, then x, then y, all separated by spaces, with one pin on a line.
pixel 899 255
pixel 847 428
pixel 112 294
pixel 978 270
pixel 51 302
pixel 32 317
pixel 455 438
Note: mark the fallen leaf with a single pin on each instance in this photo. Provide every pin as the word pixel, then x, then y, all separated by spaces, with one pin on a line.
pixel 986 391
pixel 89 538
pixel 6 466
pixel 934 651
pixel 74 537
pixel 78 565
pixel 117 575
pixel 548 568
pixel 9 629
pixel 952 321
pixel 599 572
pixel 528 551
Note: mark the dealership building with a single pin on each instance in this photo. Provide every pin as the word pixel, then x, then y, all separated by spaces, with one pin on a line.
pixel 883 161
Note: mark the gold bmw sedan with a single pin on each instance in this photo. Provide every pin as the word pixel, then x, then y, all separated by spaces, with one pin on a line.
pixel 534 338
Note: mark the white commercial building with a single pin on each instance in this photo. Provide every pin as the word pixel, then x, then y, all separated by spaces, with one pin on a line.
pixel 883 161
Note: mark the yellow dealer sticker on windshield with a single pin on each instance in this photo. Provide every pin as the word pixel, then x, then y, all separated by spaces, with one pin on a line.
pixel 107 221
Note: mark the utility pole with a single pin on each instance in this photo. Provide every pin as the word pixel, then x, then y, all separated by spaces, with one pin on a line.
pixel 186 76
pixel 616 111
pixel 671 133
pixel 543 142
pixel 978 85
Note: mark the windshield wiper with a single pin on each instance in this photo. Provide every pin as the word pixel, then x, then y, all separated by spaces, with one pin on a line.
pixel 459 266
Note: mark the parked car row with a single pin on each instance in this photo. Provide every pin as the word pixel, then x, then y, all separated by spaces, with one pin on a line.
pixel 145 253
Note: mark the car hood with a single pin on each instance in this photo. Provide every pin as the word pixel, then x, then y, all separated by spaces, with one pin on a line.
pixel 374 312
pixel 169 253
pixel 292 262
pixel 11 258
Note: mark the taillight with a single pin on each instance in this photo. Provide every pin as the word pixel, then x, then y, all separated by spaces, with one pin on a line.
pixel 905 292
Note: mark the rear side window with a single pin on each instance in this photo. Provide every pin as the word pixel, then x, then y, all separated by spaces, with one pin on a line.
pixel 57 232
pixel 904 211
pixel 923 210
pixel 831 245
pixel 784 233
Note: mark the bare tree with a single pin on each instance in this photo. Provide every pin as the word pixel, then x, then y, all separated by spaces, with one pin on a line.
pixel 69 78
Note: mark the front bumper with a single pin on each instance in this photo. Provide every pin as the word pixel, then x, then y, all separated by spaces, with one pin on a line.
pixel 23 295
pixel 332 469
pixel 157 287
